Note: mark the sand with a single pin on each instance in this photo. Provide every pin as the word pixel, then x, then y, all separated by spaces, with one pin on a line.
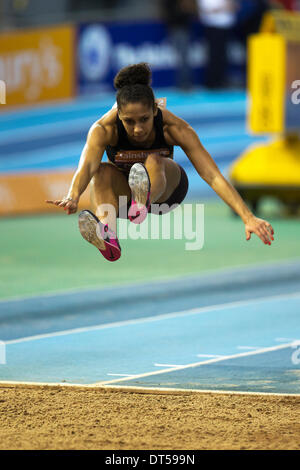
pixel 78 418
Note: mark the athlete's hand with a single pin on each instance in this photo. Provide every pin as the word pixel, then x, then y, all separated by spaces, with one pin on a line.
pixel 261 228
pixel 70 205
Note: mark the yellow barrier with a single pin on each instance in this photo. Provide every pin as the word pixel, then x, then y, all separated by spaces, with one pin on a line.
pixel 273 73
pixel 26 193
pixel 274 164
pixel 38 65
pixel 272 169
pixel 266 82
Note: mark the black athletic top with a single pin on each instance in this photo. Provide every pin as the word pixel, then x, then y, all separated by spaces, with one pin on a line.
pixel 124 154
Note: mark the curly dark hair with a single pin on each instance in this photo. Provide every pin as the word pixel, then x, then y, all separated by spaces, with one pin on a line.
pixel 133 84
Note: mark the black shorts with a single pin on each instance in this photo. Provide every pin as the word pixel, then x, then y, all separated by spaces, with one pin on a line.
pixel 175 199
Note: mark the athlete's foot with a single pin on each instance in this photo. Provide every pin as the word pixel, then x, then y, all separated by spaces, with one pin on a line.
pixel 99 235
pixel 139 184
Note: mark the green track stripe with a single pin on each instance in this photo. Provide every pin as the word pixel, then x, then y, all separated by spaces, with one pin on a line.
pixel 40 254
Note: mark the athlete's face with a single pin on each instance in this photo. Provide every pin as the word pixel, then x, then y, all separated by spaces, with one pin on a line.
pixel 137 119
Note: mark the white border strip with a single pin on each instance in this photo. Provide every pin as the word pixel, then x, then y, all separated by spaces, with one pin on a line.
pixel 193 390
pixel 134 389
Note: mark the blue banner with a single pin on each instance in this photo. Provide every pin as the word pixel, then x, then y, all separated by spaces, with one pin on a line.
pixel 104 48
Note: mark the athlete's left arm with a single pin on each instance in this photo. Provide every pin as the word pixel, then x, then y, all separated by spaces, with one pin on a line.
pixel 185 136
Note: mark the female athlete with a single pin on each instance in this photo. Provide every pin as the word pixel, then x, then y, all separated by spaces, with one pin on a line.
pixel 138 135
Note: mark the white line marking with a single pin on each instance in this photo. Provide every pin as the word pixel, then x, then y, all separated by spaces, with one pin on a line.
pixel 122 375
pixel 156 318
pixel 168 365
pixel 210 361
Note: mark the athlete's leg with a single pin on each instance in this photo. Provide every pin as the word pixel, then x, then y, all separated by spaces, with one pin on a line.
pixel 164 176
pixel 100 226
pixel 107 185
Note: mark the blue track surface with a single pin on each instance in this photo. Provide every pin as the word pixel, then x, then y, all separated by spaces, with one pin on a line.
pixel 235 330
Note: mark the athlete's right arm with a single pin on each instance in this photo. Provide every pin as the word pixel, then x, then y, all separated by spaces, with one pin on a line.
pixel 89 163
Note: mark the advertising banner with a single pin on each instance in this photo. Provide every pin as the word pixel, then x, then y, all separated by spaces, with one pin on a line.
pixel 105 48
pixel 26 193
pixel 37 65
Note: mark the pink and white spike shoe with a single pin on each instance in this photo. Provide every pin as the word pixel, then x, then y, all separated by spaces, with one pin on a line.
pixel 99 235
pixel 139 183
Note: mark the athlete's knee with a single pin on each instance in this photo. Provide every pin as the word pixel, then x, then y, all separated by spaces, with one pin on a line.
pixel 154 161
pixel 105 169
pixel 104 173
